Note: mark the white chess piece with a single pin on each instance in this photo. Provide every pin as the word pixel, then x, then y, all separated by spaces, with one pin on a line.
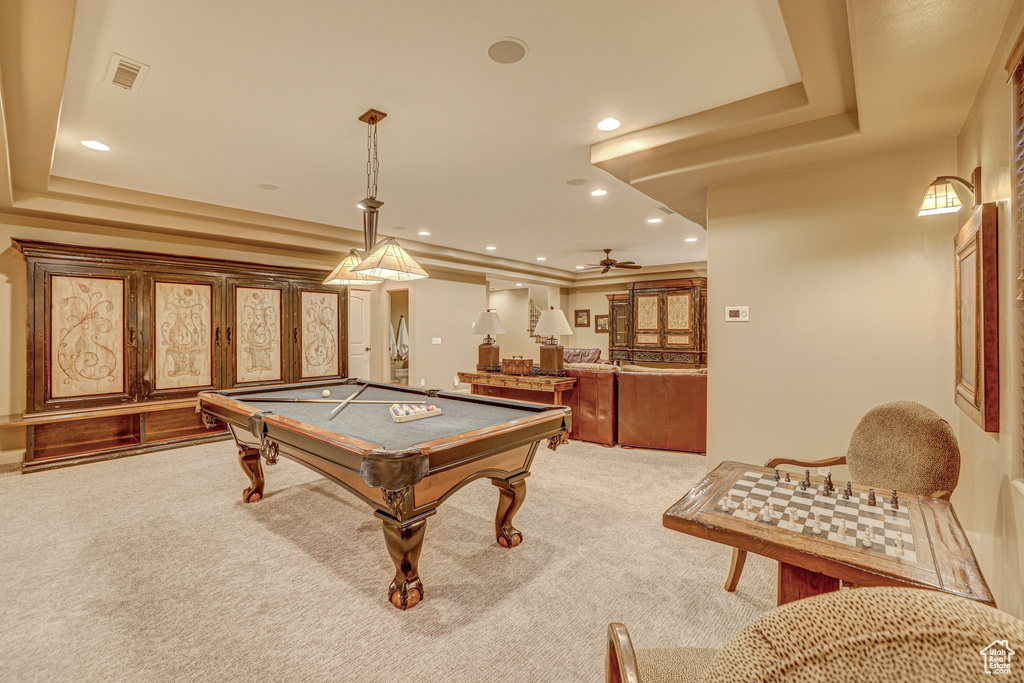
pixel 817 524
pixel 869 536
pixel 842 529
pixel 899 543
pixel 766 512
pixel 724 503
pixel 748 505
pixel 791 517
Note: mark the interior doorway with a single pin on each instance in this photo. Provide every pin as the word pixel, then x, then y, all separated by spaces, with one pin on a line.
pixel 400 336
pixel 359 333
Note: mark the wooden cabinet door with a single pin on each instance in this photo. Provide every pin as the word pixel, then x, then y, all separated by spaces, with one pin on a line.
pixel 319 344
pixel 254 336
pixel 182 335
pixel 647 327
pixel 681 315
pixel 85 350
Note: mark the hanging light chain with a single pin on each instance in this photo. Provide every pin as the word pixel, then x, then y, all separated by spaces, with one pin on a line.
pixel 372 165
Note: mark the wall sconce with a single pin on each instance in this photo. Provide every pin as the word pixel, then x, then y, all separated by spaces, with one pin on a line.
pixel 940 197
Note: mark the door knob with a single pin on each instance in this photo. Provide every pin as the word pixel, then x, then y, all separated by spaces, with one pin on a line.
pixel 367 348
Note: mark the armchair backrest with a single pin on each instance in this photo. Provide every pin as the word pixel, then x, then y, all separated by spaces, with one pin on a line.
pixel 868 634
pixel 906 446
pixel 572 355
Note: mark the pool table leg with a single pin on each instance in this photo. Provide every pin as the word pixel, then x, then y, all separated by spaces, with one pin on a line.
pixel 405 541
pixel 249 459
pixel 512 495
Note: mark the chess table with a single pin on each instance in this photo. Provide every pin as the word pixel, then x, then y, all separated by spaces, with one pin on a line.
pixel 932 551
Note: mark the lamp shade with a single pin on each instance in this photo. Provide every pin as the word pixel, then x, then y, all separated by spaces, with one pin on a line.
pixel 939 198
pixel 552 323
pixel 488 323
pixel 343 275
pixel 389 261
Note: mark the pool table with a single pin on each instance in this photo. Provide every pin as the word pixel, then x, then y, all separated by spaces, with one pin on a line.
pixel 404 470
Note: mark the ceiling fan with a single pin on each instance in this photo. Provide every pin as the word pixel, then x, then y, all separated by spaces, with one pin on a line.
pixel 608 263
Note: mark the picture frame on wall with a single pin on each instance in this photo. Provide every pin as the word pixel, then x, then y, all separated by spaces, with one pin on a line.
pixel 977 317
pixel 583 318
pixel 601 323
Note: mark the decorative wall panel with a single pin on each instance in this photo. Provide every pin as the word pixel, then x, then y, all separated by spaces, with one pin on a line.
pixel 651 339
pixel 86 336
pixel 678 340
pixel 183 317
pixel 318 322
pixel 677 308
pixel 258 326
pixel 647 314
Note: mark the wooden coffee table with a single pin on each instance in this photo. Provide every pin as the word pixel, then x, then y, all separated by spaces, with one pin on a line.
pixel 934 552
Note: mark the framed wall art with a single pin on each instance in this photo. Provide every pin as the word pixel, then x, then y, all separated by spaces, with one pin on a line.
pixel 977 318
pixel 583 318
pixel 600 323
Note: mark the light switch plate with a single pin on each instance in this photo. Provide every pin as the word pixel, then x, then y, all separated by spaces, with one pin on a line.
pixel 737 314
pixel 824 471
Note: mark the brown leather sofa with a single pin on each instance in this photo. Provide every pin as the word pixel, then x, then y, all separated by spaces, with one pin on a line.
pixel 663 408
pixel 573 355
pixel 594 402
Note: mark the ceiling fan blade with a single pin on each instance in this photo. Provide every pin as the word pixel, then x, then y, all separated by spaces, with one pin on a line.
pixel 606 269
pixel 625 263
pixel 628 267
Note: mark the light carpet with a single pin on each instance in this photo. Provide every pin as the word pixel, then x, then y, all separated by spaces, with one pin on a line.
pixel 151 568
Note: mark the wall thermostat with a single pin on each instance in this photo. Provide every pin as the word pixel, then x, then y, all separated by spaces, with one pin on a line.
pixel 737 314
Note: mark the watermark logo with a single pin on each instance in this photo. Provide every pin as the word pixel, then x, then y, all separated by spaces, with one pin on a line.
pixel 997 657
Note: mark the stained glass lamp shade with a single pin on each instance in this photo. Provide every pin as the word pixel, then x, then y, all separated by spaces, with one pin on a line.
pixel 389 261
pixel 343 275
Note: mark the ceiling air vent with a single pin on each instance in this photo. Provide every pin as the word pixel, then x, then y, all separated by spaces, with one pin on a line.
pixel 125 73
pixel 665 210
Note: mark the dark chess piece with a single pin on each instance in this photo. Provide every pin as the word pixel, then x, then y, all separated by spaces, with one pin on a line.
pixel 894 501
pixel 871 497
pixel 787 478
pixel 849 491
pixel 776 474
pixel 828 483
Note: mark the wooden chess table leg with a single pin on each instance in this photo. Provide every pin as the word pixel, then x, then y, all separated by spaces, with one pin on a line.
pixel 511 497
pixel 739 558
pixel 249 459
pixel 405 542
pixel 796 583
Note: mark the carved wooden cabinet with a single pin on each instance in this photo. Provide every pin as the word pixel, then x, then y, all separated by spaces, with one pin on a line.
pixel 119 343
pixel 661 321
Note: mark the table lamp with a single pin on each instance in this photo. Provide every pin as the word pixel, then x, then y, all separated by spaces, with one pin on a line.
pixel 488 323
pixel 551 325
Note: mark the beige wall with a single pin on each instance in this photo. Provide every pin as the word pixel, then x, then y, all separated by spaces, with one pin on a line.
pixel 985 498
pixel 513 307
pixel 444 309
pixel 597 303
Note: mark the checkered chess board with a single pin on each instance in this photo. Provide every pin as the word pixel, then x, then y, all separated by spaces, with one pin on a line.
pixel 762 489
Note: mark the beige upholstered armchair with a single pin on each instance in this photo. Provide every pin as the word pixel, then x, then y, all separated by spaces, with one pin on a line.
pixel 899 445
pixel 868 634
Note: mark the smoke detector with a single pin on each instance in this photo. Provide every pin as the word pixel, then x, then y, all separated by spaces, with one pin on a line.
pixel 125 73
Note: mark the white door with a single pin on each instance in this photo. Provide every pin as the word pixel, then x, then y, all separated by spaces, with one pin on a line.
pixel 359 334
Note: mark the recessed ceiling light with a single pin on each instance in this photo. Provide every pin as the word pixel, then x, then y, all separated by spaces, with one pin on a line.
pixel 519 284
pixel 542 258
pixel 608 124
pixel 576 181
pixel 490 248
pixel 599 193
pixel 579 267
pixel 398 227
pixel 691 239
pixel 653 220
pixel 99 146
pixel 268 186
pixel 425 233
pixel 507 50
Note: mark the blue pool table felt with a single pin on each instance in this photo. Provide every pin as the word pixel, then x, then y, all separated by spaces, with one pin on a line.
pixel 372 422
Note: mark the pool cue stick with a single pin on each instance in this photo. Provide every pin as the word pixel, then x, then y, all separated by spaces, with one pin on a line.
pixel 341 406
pixel 315 400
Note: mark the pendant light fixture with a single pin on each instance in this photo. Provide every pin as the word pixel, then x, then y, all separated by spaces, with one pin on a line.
pixel 386 260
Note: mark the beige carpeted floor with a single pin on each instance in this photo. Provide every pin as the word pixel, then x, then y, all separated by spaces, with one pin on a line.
pixel 152 569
